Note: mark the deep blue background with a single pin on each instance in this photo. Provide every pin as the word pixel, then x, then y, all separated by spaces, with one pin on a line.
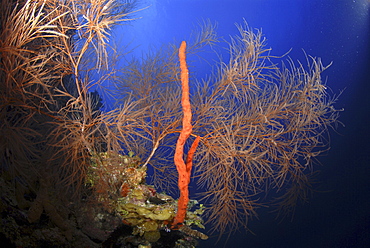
pixel 338 32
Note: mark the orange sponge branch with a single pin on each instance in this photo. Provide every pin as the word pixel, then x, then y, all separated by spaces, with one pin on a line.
pixel 184 169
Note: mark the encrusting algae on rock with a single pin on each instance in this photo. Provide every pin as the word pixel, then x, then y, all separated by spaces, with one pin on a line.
pixel 118 183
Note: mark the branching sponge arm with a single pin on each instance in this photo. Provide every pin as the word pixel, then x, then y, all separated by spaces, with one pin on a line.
pixel 184 170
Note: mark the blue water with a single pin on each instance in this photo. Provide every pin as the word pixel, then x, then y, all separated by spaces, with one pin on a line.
pixel 338 31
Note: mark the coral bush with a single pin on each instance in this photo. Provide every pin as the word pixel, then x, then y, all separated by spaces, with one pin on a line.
pixel 261 125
